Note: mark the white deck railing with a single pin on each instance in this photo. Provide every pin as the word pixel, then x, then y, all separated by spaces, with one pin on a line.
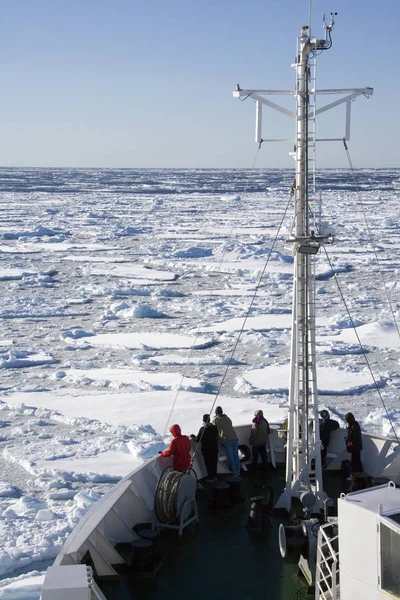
pixel 327 568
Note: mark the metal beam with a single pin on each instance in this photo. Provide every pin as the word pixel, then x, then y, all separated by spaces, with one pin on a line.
pixel 337 102
pixel 368 91
pixel 275 106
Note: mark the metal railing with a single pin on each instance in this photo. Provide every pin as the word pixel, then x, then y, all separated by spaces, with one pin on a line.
pixel 327 567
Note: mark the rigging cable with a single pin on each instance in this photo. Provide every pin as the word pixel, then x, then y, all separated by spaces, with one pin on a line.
pixel 198 327
pixel 371 240
pixel 360 344
pixel 247 314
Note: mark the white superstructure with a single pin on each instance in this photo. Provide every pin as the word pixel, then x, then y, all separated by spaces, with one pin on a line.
pixel 369 544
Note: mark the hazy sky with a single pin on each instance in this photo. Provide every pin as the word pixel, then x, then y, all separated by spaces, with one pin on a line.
pixel 148 83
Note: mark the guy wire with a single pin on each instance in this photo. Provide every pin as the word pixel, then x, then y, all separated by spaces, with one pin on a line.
pixel 247 313
pixel 371 240
pixel 360 344
pixel 198 326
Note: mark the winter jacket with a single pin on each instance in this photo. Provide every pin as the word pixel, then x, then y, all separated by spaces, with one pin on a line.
pixel 260 430
pixel 179 449
pixel 325 430
pixel 208 439
pixel 354 438
pixel 226 433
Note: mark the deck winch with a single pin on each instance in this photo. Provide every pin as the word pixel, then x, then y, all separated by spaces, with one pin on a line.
pixel 175 500
pixel 298 543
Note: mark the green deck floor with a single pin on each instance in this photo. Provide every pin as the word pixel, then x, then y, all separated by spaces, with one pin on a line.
pixel 221 558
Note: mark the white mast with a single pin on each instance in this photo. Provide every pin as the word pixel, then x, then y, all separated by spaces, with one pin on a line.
pixel 303 455
pixel 303 452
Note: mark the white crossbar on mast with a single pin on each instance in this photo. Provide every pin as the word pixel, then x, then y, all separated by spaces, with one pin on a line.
pixel 303 449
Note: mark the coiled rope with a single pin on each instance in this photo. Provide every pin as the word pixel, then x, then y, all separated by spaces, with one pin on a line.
pixel 166 507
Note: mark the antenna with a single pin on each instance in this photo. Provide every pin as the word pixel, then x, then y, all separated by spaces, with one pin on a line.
pixel 332 21
pixel 309 14
pixel 328 28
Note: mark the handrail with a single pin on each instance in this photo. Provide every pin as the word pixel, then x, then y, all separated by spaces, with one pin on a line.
pixel 330 562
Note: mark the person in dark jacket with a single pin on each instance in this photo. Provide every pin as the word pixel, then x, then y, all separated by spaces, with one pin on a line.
pixel 327 425
pixel 208 437
pixel 179 449
pixel 354 442
pixel 259 437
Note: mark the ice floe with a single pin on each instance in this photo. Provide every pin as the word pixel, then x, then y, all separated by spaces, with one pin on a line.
pixel 146 340
pixel 331 381
pixel 14 359
pixel 135 271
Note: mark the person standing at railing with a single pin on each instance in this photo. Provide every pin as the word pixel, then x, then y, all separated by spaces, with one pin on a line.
pixel 259 438
pixel 228 439
pixel 354 442
pixel 179 449
pixel 208 438
pixel 327 425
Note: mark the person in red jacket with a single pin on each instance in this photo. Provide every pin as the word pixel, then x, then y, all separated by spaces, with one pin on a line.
pixel 179 449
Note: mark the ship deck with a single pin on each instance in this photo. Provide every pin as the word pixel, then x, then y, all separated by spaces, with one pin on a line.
pixel 220 558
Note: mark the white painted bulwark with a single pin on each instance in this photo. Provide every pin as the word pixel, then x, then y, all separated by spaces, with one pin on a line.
pixel 66 583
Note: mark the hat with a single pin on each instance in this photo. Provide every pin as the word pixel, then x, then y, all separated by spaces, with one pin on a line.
pixel 324 414
pixel 206 418
pixel 218 411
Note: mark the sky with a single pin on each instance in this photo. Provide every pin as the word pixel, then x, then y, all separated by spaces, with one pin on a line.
pixel 148 83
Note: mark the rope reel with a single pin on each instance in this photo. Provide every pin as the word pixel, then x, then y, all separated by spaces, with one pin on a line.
pixel 173 490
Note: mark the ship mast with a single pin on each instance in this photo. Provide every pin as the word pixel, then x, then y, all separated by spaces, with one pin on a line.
pixel 303 456
pixel 303 448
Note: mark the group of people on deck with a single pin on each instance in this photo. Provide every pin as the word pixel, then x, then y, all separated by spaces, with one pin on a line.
pixel 220 431
pixel 211 435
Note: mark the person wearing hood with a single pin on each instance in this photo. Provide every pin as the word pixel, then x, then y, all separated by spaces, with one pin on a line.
pixel 228 438
pixel 208 437
pixel 326 426
pixel 179 449
pixel 354 442
pixel 259 437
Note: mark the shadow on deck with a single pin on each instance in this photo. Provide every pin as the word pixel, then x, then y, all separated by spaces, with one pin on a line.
pixel 220 558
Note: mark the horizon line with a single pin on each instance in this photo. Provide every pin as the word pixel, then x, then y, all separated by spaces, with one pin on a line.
pixel 196 168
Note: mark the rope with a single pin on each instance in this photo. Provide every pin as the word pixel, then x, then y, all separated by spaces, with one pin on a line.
pixel 246 317
pixel 371 240
pixel 360 344
pixel 198 326
pixel 166 497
